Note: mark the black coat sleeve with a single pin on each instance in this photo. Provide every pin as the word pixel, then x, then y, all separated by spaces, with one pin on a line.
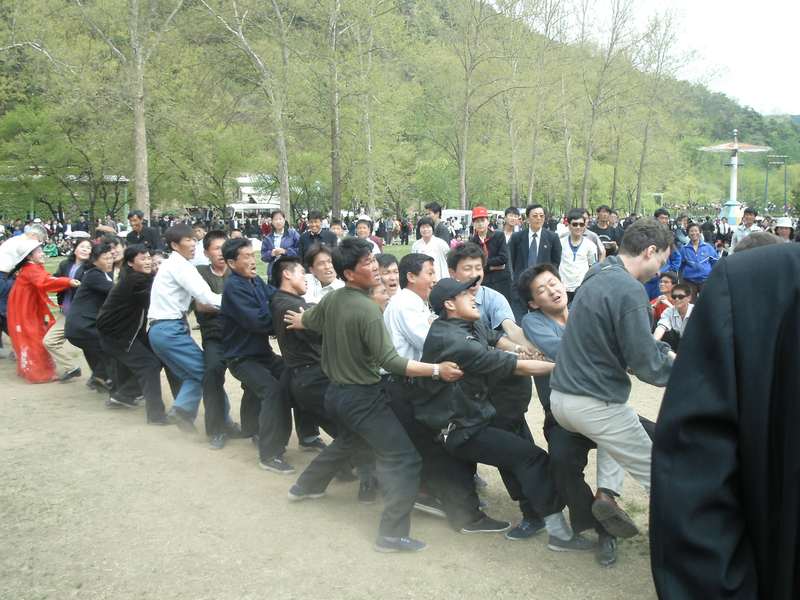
pixel 498 252
pixel 555 249
pixel 698 538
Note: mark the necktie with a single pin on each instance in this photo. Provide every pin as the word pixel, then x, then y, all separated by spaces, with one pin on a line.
pixel 532 251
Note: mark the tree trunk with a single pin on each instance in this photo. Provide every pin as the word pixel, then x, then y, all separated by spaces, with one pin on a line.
pixel 333 72
pixel 463 148
pixel 141 175
pixel 512 140
pixel 587 165
pixel 278 111
pixel 568 195
pixel 642 158
pixel 615 178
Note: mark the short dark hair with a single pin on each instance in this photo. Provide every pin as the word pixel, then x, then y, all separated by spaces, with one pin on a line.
pixel 574 213
pixel 642 234
pixel 692 224
pixel 425 221
pixel 214 234
pixel 365 222
pixel 604 208
pixel 110 238
pixel 277 211
pixel 750 211
pixel 176 233
pixel 527 277
pixel 682 286
pixel 531 207
pixel 280 266
pixel 314 251
pixel 385 260
pixel 314 214
pixel 661 211
pixel 199 225
pixel 671 275
pixel 756 240
pixel 133 251
pixel 136 213
pixel 231 248
pixel 511 210
pixel 434 207
pixel 467 250
pixel 347 255
pixel 98 250
pixel 412 263
pixel 336 222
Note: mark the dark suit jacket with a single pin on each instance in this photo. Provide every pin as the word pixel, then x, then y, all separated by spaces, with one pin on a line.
pixel 326 236
pixel 549 250
pixel 81 320
pixel 493 275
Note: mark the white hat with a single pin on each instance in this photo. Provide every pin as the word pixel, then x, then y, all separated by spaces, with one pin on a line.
pixel 15 250
pixel 784 222
pixel 37 220
pixel 77 235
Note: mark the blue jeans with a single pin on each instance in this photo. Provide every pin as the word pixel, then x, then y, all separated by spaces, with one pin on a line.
pixel 172 342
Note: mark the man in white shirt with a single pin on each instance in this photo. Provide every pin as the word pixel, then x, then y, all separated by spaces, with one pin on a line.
pixel 322 277
pixel 448 479
pixel 672 323
pixel 176 284
pixel 747 227
pixel 433 246
pixel 577 253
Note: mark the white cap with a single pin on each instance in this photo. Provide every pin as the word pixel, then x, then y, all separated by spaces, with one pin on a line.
pixel 784 222
pixel 15 250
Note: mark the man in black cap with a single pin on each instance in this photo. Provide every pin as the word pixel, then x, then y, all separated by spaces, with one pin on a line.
pixel 464 414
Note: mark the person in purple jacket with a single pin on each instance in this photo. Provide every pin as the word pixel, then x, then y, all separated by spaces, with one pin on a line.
pixel 282 240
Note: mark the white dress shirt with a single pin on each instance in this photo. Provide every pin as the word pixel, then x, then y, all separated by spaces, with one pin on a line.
pixel 176 283
pixel 200 257
pixel 408 320
pixel 315 290
pixel 437 249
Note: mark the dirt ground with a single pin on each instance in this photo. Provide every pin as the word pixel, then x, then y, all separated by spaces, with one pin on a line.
pixel 96 504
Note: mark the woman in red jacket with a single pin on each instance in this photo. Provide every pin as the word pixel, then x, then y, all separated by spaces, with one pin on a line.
pixel 29 315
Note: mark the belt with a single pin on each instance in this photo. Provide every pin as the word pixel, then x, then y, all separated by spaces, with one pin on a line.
pixel 398 379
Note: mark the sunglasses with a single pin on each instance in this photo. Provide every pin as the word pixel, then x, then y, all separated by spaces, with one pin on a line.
pixel 679 297
pixel 578 224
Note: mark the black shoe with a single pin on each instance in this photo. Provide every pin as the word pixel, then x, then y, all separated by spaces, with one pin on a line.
pixel 232 430
pixel 398 544
pixel 182 419
pixel 526 529
pixel 368 491
pixel 606 554
pixel 217 442
pixel 100 385
pixel 346 475
pixel 486 524
pixel 480 483
pixel 576 543
pixel 120 402
pixel 276 465
pixel 429 504
pixel 139 400
pixel 317 445
pixel 613 519
pixel 296 493
pixel 162 420
pixel 69 375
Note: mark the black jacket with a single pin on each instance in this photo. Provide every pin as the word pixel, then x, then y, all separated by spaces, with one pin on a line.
pixel 325 236
pixel 149 237
pixel 82 317
pixel 725 499
pixel 246 317
pixel 493 274
pixel 301 347
pixel 63 271
pixel 464 403
pixel 549 250
pixel 123 316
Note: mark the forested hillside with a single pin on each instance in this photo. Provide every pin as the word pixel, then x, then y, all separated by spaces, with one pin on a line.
pixel 373 104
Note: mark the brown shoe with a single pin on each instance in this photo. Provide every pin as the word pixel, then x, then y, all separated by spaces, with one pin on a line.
pixel 613 519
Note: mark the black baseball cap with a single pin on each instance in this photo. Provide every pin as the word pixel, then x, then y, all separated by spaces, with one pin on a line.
pixel 446 289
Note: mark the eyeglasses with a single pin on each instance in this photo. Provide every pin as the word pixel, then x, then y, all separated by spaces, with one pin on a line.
pixel 577 224
pixel 679 296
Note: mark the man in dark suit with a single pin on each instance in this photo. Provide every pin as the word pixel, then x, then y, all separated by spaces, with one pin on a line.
pixel 531 246
pixel 314 234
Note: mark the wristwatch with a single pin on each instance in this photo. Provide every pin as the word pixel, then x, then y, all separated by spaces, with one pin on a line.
pixel 435 375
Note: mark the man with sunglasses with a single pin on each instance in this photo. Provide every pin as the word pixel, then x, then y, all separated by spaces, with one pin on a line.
pixel 577 253
pixel 672 323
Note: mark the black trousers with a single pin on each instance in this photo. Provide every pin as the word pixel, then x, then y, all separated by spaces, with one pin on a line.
pixel 307 387
pixel 124 381
pixel 443 475
pixel 214 387
pixel 267 403
pixel 146 367
pixel 365 421
pixel 521 463
pixel 517 426
pixel 93 352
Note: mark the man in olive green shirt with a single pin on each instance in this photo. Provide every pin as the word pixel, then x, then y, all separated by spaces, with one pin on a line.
pixel 355 345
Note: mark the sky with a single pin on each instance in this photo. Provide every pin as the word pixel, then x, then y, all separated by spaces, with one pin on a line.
pixel 749 51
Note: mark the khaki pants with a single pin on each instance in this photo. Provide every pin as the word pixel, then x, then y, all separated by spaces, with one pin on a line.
pixel 62 352
pixel 615 428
